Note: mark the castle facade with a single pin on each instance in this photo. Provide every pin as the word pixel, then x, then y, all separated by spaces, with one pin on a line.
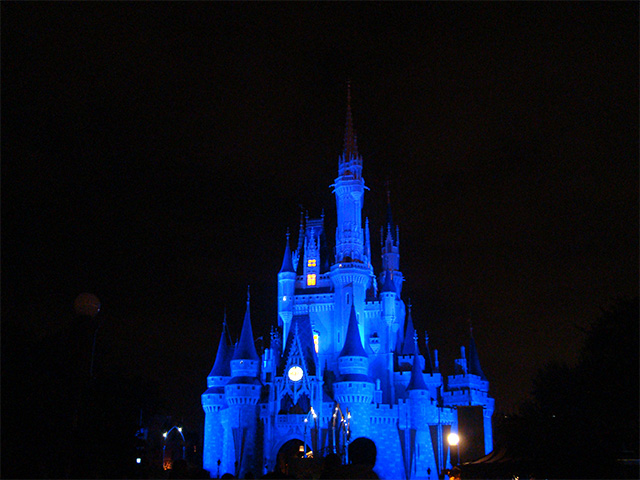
pixel 344 362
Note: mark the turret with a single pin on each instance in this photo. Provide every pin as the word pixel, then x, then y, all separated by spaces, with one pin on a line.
pixel 469 387
pixel 242 394
pixel 416 382
pixel 355 385
pixel 390 244
pixel 286 289
pixel 421 411
pixel 213 401
pixel 349 191
pixel 213 398
pixel 351 273
pixel 245 361
pixel 388 298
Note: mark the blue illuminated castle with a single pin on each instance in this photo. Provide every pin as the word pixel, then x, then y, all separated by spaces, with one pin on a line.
pixel 344 362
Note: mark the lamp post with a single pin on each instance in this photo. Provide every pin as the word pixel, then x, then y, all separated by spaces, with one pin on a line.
pixel 305 436
pixel 454 441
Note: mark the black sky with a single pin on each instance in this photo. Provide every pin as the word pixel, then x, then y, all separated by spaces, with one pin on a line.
pixel 155 155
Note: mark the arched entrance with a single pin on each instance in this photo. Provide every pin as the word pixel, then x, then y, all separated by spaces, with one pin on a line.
pixel 291 459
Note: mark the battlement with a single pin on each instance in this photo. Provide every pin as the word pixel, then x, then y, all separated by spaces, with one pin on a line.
pixel 467 381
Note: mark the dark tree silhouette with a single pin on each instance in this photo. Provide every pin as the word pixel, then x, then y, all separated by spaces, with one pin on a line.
pixel 583 419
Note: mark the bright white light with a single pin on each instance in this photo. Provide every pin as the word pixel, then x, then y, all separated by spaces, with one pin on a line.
pixel 164 434
pixel 453 439
pixel 180 429
pixel 138 460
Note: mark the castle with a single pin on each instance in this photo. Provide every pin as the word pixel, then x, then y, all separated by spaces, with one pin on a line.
pixel 344 362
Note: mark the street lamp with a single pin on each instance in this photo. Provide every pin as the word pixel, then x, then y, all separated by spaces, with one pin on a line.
pixel 454 440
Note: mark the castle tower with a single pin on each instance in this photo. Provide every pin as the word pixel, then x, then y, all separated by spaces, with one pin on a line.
pixel 354 389
pixel 213 400
pixel 421 452
pixel 286 287
pixel 390 246
pixel 469 393
pixel 351 274
pixel 243 452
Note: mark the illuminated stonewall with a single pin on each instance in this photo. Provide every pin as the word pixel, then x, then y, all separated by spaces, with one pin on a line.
pixel 345 361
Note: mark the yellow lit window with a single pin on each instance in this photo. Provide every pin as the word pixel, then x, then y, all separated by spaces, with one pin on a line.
pixel 316 340
pixel 311 279
pixel 311 262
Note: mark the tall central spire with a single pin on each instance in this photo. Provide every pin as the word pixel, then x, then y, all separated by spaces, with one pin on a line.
pixel 350 138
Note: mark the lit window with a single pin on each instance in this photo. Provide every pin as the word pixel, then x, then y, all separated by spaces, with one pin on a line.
pixel 316 340
pixel 311 279
pixel 284 299
pixel 311 262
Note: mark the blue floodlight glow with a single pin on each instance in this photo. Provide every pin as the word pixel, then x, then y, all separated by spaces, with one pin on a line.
pixel 345 363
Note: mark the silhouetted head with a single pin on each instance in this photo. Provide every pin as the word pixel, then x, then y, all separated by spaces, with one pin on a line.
pixel 362 451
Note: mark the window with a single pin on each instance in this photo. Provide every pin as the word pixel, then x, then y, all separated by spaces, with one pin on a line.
pixel 311 262
pixel 316 340
pixel 311 279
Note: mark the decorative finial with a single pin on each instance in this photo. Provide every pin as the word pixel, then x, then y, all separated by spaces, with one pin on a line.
pixel 350 139
pixel 224 318
pixel 248 294
pixel 388 192
pixel 415 338
pixel 426 338
pixel 288 235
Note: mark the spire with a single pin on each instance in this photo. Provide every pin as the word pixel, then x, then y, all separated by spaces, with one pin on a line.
pixel 407 344
pixel 473 361
pixel 350 139
pixel 389 220
pixel 428 364
pixel 417 379
pixel 352 342
pixel 246 349
pixel 287 263
pixel 221 366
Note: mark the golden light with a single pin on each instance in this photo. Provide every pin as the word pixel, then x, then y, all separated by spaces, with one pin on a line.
pixel 453 439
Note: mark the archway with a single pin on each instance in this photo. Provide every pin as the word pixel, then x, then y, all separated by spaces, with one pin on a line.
pixel 291 460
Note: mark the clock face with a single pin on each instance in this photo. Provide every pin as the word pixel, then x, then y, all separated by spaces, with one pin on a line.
pixel 295 373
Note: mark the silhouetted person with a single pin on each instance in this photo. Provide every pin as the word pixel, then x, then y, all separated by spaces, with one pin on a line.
pixel 331 467
pixel 362 458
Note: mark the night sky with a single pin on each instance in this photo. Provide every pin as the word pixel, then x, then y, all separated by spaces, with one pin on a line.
pixel 155 155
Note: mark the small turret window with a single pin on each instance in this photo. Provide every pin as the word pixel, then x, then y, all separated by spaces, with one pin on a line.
pixel 311 262
pixel 316 340
pixel 311 279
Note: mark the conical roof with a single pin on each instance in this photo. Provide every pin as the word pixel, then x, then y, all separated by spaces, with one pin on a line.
pixel 352 343
pixel 287 261
pixel 417 379
pixel 388 286
pixel 428 363
pixel 407 344
pixel 246 349
pixel 473 361
pixel 221 366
